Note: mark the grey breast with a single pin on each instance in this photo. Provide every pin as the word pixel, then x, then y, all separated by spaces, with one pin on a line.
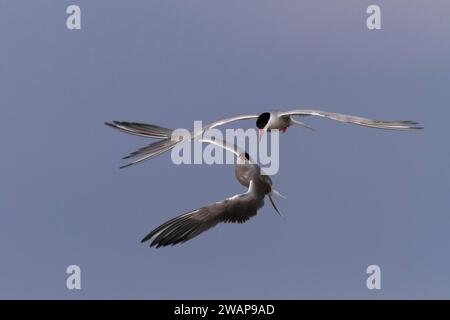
pixel 246 172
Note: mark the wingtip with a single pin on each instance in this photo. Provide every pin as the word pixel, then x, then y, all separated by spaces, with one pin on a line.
pixel 146 238
pixel 413 127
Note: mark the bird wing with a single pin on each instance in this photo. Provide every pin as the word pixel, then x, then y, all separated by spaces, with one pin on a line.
pixel 236 209
pixel 141 129
pixel 150 151
pixel 156 148
pixel 380 124
pixel 231 147
pixel 229 120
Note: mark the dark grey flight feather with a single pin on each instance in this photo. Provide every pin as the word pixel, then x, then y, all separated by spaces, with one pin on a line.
pixel 141 129
pixel 145 130
pixel 150 151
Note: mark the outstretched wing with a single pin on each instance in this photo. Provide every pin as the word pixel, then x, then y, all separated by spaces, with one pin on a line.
pixel 141 129
pixel 150 151
pixel 236 209
pixel 199 133
pixel 156 148
pixel 229 120
pixel 380 124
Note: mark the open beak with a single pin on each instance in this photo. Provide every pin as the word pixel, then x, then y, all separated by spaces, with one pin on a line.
pixel 274 205
pixel 261 134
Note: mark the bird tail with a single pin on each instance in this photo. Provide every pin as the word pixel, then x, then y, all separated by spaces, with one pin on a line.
pixel 145 130
pixel 150 151
pixel 141 129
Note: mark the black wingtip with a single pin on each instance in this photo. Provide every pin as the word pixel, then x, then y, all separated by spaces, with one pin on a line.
pixel 156 244
pixel 152 244
pixel 147 237
pixel 413 125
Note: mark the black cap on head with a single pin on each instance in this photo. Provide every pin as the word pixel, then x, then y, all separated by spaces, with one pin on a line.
pixel 247 156
pixel 262 120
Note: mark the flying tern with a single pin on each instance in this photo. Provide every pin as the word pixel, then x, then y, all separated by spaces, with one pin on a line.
pixel 235 209
pixel 265 122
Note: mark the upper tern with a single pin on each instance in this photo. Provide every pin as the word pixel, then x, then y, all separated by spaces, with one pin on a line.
pixel 267 121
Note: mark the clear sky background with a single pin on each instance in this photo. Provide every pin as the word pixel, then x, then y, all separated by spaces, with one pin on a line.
pixel 356 196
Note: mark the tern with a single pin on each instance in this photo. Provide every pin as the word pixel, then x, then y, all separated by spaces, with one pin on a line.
pixel 265 122
pixel 282 120
pixel 236 209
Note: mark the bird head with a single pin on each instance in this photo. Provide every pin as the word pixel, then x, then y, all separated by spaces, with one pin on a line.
pixel 244 158
pixel 262 122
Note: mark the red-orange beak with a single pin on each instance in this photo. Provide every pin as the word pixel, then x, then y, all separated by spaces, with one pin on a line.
pixel 260 134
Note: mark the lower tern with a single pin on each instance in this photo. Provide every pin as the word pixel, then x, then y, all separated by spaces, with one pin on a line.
pixel 235 209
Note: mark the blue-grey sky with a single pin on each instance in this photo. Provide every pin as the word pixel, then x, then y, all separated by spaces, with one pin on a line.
pixel 356 196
